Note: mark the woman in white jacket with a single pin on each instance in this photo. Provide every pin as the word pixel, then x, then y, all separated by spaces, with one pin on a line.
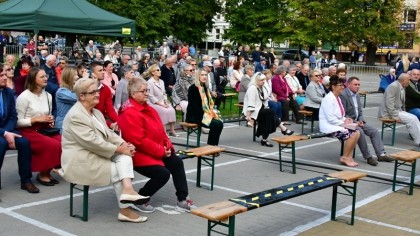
pixel 332 119
pixel 256 108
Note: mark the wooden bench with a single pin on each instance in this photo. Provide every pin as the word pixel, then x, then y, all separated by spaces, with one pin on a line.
pixel 391 124
pixel 363 96
pixel 220 212
pixel 306 115
pixel 285 141
pixel 230 97
pixel 206 156
pixel 240 109
pixel 192 128
pixel 405 158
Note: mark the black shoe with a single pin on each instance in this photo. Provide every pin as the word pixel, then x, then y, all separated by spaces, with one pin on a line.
pixel 287 132
pixel 45 183
pixel 266 143
pixel 30 187
pixel 54 181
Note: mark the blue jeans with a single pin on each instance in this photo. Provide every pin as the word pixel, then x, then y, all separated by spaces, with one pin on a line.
pixel 416 112
pixel 277 107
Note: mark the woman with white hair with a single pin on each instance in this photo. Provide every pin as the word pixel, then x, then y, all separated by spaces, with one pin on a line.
pixel 256 108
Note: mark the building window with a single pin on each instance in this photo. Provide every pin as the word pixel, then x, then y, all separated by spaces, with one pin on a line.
pixel 408 42
pixel 410 15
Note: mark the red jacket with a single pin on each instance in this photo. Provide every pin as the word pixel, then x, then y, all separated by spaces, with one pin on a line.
pixel 106 106
pixel 140 125
pixel 280 87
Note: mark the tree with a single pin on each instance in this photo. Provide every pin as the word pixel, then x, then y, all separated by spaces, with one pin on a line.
pixel 192 18
pixel 252 21
pixel 153 18
pixel 187 20
pixel 369 22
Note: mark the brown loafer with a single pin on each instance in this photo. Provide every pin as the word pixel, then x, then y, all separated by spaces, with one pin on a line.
pixel 385 158
pixel 30 187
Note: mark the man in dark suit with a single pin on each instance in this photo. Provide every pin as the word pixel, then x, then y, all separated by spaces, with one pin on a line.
pixel 303 76
pixel 350 99
pixel 10 138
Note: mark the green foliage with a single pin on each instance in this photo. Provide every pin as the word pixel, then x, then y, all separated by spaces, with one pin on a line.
pixel 251 21
pixel 315 22
pixel 186 20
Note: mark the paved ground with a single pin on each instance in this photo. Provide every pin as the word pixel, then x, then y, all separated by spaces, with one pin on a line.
pixel 379 210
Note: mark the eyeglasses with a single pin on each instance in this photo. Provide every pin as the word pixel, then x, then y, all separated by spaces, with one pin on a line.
pixel 193 64
pixel 190 70
pixel 317 75
pixel 143 91
pixel 92 92
pixel 9 69
pixel 157 70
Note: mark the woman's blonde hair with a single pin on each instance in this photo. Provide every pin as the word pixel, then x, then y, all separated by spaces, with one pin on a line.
pixel 405 62
pixel 67 78
pixel 148 73
pixel 197 79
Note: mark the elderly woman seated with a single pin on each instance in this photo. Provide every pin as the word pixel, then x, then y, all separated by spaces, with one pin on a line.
pixel 155 157
pixel 332 119
pixel 315 92
pixel 256 108
pixel 94 155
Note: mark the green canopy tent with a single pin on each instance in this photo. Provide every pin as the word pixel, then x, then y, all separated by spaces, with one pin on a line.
pixel 66 16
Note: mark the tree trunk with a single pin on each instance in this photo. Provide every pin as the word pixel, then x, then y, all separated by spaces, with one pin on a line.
pixel 370 54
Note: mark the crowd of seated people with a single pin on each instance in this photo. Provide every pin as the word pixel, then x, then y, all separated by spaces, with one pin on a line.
pixel 46 95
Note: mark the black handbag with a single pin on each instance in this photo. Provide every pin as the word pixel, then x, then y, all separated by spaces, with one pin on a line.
pixel 49 131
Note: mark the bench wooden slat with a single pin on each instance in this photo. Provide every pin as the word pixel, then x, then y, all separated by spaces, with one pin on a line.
pixel 219 211
pixel 229 94
pixel 348 175
pixel 406 155
pixel 206 150
pixel 188 125
pixel 305 112
pixel 388 120
pixel 289 139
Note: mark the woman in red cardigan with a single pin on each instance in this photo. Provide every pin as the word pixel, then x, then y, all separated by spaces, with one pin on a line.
pixel 285 95
pixel 155 156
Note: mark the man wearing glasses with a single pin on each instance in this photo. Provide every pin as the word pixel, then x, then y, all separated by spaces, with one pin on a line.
pixel 10 139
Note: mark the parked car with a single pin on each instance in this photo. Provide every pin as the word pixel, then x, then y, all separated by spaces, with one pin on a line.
pixel 291 54
pixel 22 40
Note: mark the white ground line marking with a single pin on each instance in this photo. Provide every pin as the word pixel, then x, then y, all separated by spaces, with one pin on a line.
pixel 36 223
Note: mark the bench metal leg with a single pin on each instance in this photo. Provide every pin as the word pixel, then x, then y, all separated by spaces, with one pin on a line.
pixel 192 130
pixel 254 131
pixel 293 147
pixel 349 191
pixel 364 100
pixel 208 161
pixel 412 175
pixel 230 225
pixel 85 209
pixel 391 126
